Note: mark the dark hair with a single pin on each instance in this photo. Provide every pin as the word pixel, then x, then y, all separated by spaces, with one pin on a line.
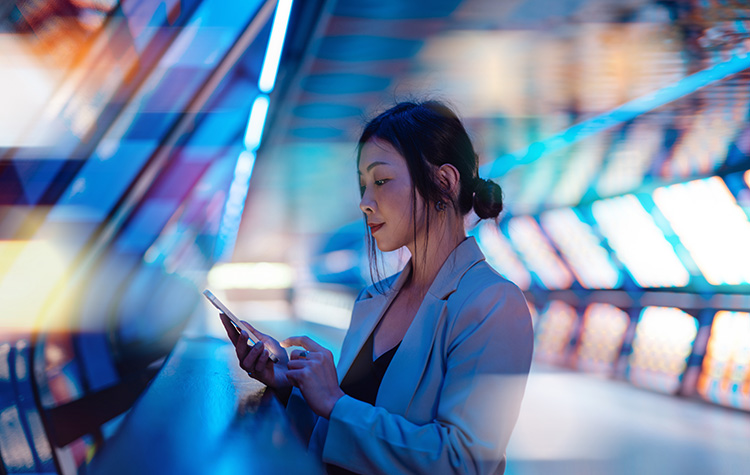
pixel 428 135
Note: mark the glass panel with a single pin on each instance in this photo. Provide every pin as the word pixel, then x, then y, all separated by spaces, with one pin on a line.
pixel 663 342
pixel 639 243
pixel 581 248
pixel 538 254
pixel 725 377
pixel 711 225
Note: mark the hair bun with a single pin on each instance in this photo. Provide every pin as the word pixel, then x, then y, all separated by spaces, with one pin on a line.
pixel 488 198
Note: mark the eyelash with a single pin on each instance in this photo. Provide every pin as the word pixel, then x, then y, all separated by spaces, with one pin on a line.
pixel 377 183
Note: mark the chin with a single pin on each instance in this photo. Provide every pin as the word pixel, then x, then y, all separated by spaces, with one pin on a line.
pixel 386 247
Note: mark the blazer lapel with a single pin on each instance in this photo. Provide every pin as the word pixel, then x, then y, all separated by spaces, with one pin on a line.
pixel 410 360
pixel 368 311
pixel 408 365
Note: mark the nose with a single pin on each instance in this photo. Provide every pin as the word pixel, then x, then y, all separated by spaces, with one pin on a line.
pixel 367 204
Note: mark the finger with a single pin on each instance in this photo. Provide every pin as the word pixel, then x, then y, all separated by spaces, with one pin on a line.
pixel 261 364
pixel 297 354
pixel 248 362
pixel 253 331
pixel 298 364
pixel 230 328
pixel 296 377
pixel 304 341
pixel 241 345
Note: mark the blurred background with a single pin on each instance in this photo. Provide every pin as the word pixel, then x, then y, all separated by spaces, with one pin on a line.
pixel 150 149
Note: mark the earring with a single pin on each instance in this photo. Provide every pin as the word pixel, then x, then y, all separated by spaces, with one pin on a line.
pixel 440 206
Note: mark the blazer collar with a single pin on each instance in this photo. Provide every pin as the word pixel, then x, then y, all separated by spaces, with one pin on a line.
pixel 416 348
pixel 463 257
pixel 370 309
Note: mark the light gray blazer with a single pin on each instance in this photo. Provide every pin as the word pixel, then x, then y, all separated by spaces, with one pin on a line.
pixel 451 395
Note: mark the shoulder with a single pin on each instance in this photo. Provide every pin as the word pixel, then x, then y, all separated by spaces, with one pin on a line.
pixel 485 298
pixel 482 285
pixel 381 287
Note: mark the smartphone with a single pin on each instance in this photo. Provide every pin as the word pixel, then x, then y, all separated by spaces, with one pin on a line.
pixel 236 321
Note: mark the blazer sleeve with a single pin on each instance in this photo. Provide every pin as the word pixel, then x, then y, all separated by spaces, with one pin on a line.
pixel 302 418
pixel 487 363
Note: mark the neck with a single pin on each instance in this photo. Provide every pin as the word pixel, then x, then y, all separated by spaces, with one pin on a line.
pixel 430 255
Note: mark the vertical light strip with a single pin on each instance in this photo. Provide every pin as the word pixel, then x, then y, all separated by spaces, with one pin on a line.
pixel 230 222
pixel 275 45
pixel 257 121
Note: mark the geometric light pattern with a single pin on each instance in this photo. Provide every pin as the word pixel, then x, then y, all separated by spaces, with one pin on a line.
pixel 725 376
pixel 630 159
pixel 703 147
pixel 528 239
pixel 705 216
pixel 554 331
pixel 603 331
pixel 641 246
pixel 582 249
pixel 663 342
pixel 500 255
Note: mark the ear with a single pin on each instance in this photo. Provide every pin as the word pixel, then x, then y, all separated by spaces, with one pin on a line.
pixel 449 179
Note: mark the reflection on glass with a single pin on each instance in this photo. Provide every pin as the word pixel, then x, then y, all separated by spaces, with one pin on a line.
pixel 581 249
pixel 711 225
pixel 639 243
pixel 663 342
pixel 725 377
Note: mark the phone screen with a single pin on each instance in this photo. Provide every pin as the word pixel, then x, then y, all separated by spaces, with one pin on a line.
pixel 239 325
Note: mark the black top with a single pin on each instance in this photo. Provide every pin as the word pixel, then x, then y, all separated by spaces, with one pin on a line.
pixel 362 381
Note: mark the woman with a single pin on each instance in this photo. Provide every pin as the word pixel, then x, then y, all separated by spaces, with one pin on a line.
pixel 434 365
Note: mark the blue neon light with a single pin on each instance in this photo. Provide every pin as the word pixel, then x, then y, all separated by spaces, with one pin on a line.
pixel 257 121
pixel 235 204
pixel 616 116
pixel 275 45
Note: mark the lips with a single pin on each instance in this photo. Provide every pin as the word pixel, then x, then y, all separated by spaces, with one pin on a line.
pixel 375 227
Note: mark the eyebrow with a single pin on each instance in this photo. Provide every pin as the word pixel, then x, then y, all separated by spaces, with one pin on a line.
pixel 373 165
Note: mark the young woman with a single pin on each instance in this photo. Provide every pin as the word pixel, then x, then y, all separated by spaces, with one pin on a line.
pixel 434 365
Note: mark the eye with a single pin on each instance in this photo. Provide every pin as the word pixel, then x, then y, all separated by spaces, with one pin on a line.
pixel 380 182
pixel 362 189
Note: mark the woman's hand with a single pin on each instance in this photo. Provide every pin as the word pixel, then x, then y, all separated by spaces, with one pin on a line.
pixel 254 359
pixel 314 373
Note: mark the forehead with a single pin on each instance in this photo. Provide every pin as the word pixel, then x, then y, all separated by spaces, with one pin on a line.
pixel 379 152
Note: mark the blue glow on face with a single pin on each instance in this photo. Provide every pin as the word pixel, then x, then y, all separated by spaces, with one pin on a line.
pixel 275 45
pixel 617 116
